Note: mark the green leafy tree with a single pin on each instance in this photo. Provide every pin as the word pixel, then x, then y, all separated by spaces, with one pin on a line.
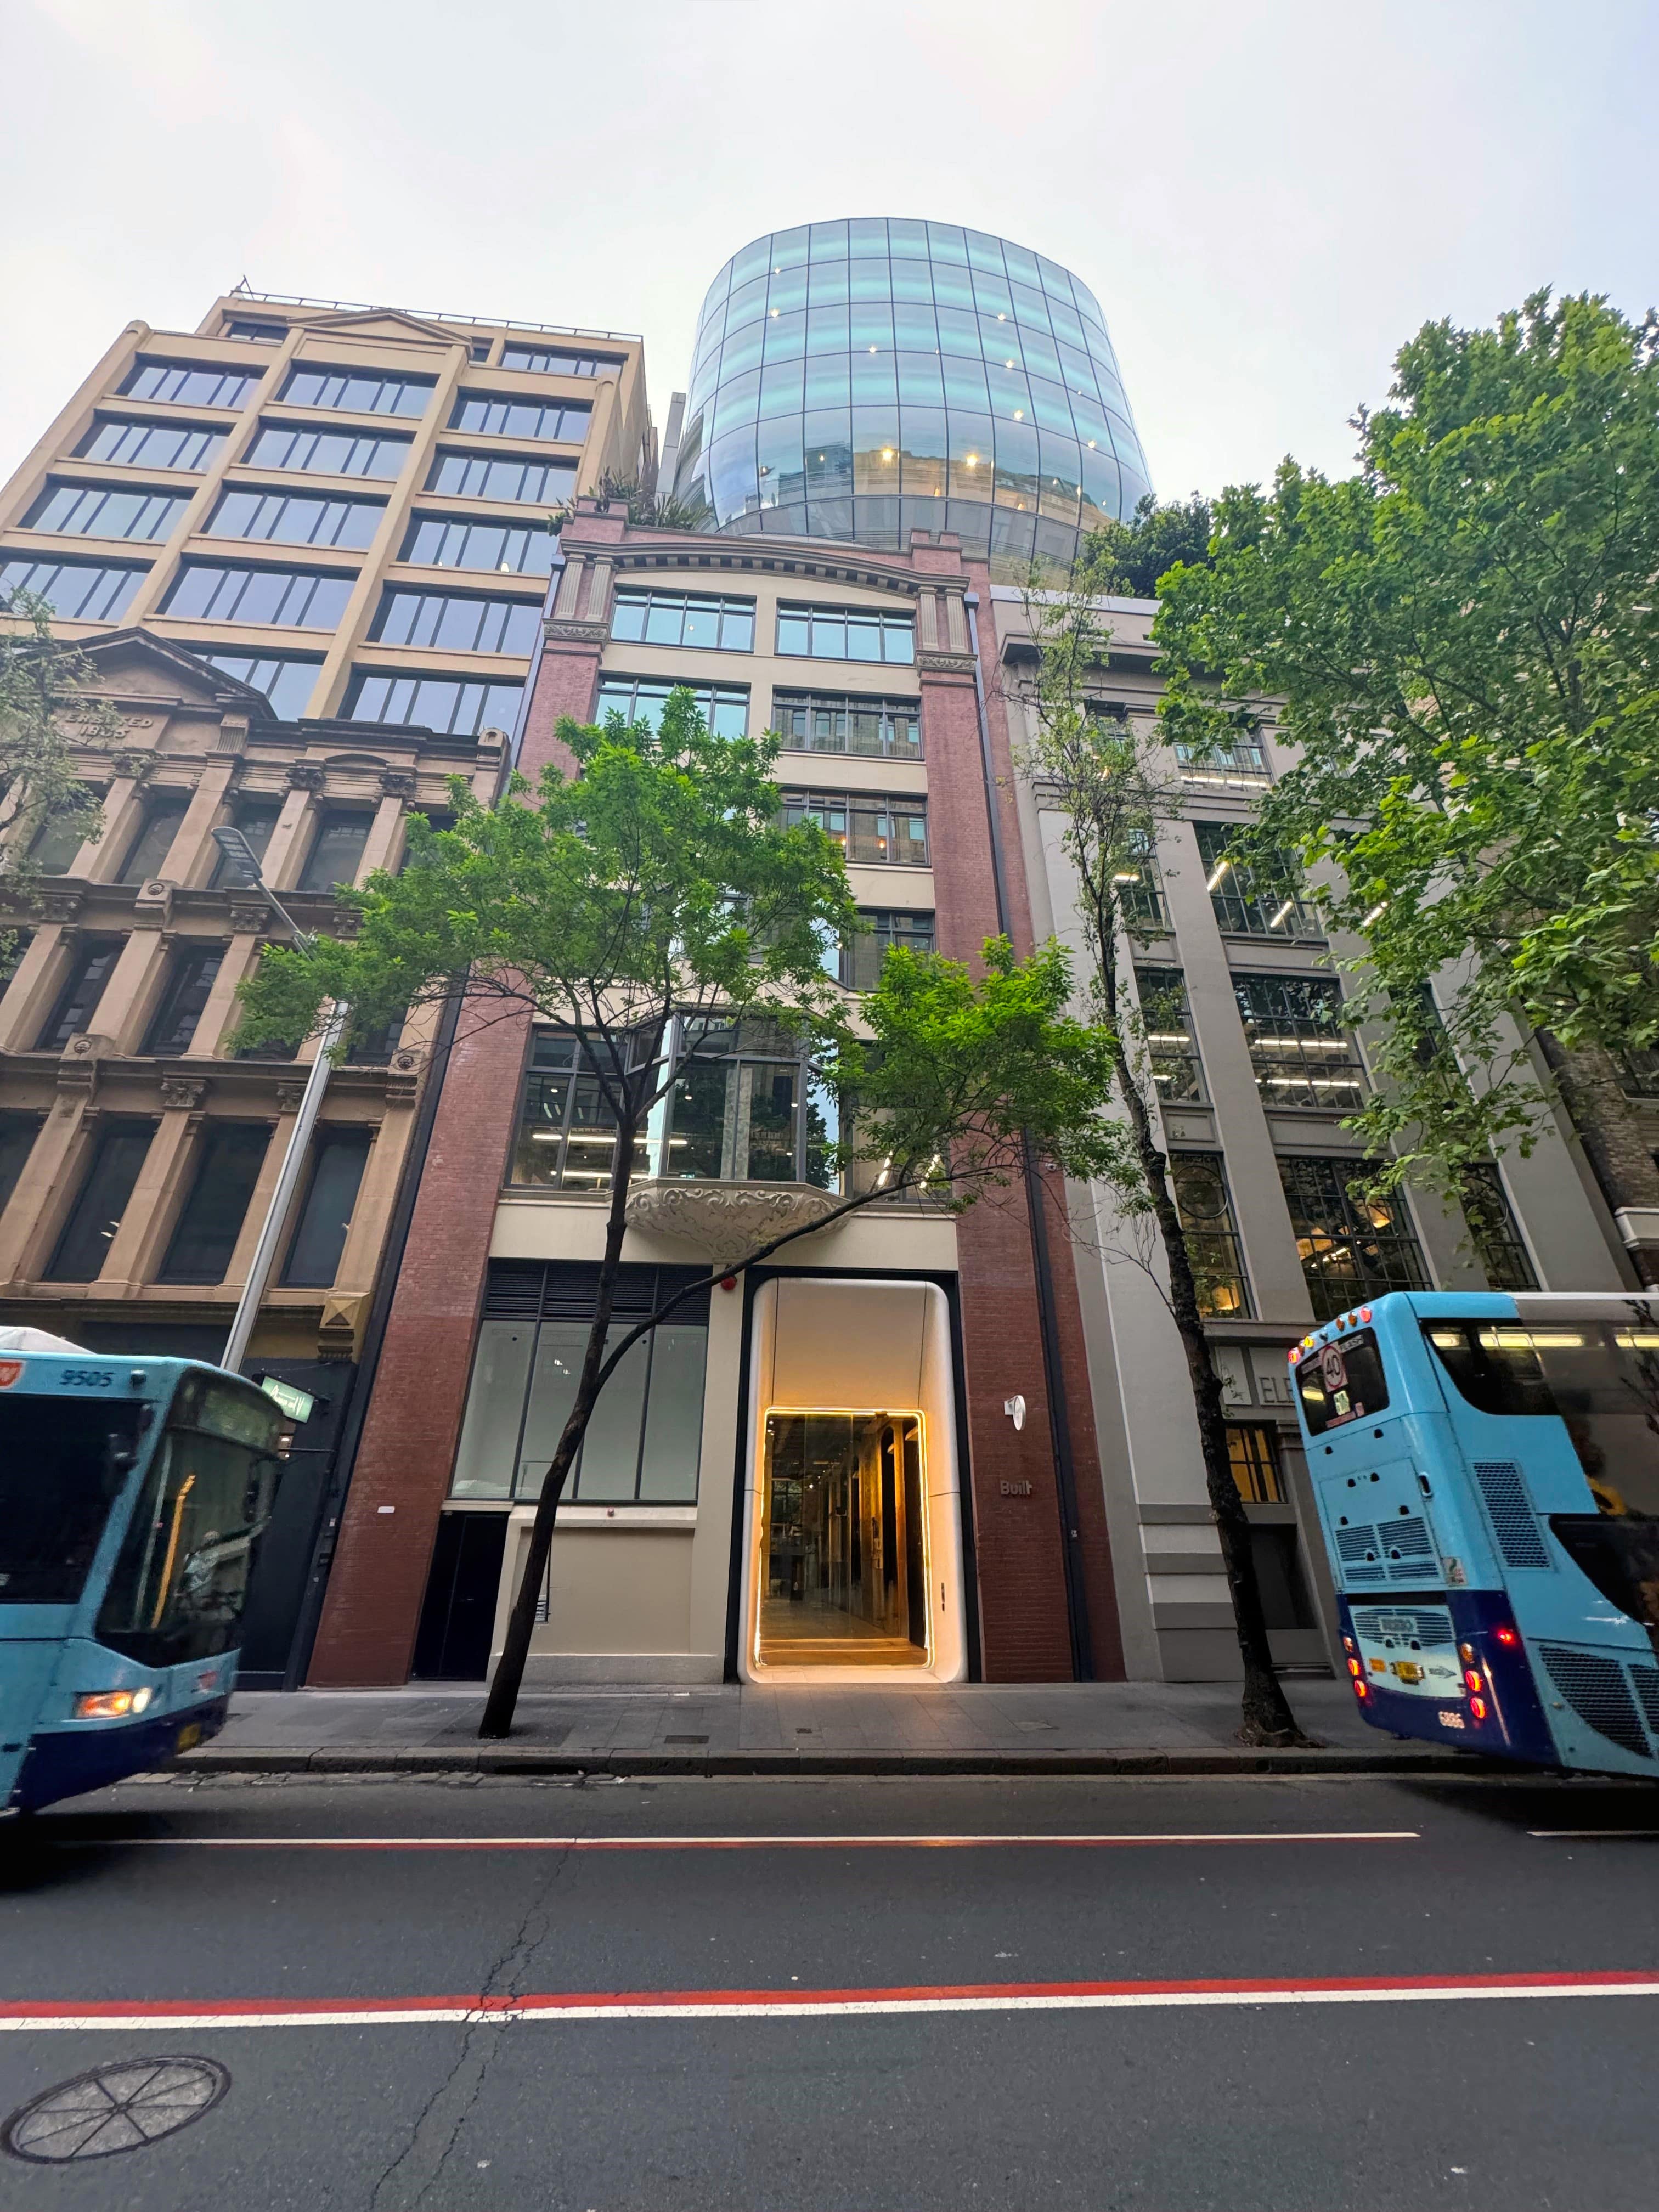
pixel 1102 775
pixel 1463 638
pixel 1128 558
pixel 651 895
pixel 44 720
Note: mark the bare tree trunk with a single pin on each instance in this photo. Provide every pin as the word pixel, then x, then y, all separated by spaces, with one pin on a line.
pixel 503 1701
pixel 1613 1140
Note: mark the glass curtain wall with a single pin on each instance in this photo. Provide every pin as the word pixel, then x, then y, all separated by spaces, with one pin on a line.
pixel 859 380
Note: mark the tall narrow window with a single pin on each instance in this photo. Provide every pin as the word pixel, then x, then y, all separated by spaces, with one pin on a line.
pixel 336 1169
pixel 1171 1048
pixel 231 1156
pixel 1352 1245
pixel 337 852
pixel 82 988
pixel 183 1002
pixel 257 820
pixel 861 958
pixel 1253 1454
pixel 1494 1229
pixel 151 846
pixel 17 1135
pixel 118 1154
pixel 1213 1244
pixel 56 844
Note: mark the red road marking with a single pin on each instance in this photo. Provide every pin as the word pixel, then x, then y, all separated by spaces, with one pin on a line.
pixel 722 1843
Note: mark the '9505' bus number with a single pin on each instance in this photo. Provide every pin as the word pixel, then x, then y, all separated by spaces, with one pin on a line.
pixel 85 1378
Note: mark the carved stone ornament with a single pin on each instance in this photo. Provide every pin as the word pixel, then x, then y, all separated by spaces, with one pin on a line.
pixel 305 776
pixel 135 766
pixel 727 1220
pixel 397 783
pixel 250 916
pixel 402 1077
pixel 289 1096
pixel 152 909
pixel 945 663
pixel 185 1090
pixel 59 906
pixel 559 632
pixel 77 1068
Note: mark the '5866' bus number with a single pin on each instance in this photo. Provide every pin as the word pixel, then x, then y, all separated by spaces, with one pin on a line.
pixel 85 1378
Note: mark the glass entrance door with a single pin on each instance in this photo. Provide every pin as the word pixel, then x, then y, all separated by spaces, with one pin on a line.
pixel 843 1572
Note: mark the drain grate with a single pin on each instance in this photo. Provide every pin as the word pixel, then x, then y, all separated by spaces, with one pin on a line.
pixel 114 2108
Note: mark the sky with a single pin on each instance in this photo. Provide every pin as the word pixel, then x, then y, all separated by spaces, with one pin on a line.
pixel 1267 199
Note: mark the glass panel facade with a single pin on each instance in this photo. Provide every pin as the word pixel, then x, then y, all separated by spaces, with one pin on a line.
pixel 1302 1054
pixel 356 392
pixel 153 444
pixel 287 680
pixel 1351 1247
pixel 874 832
pixel 724 707
pixel 1253 901
pixel 282 598
pixel 182 385
pixel 103 511
pixel 683 618
pixel 1199 1180
pixel 859 380
pixel 513 549
pixel 457 622
pixel 838 722
pixel 328 453
pixel 297 519
pixel 453 706
pixel 76 591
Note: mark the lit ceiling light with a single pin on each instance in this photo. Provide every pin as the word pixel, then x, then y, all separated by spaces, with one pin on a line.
pixel 1007 364
pixel 887 452
pixel 1091 445
pixel 973 461
pixel 1002 318
pixel 873 349
pixel 773 312
pixel 1019 414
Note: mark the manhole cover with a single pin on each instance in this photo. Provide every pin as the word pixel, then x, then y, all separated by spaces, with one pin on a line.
pixel 114 2108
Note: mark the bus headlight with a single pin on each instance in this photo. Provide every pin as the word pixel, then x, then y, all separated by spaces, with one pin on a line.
pixel 111 1705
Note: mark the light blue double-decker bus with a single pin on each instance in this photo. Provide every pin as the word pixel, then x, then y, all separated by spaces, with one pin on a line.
pixel 1486 1468
pixel 133 1494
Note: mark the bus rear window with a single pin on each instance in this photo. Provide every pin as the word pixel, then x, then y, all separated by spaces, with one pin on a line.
pixel 1342 1383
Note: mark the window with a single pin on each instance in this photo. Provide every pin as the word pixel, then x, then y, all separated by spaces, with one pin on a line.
pixel 724 707
pixel 56 844
pixel 874 832
pixel 337 850
pixel 483 476
pixel 105 511
pixel 546 364
pixel 1140 888
pixel 17 1135
pixel 453 706
pixel 1494 1229
pixel 256 818
pixel 182 385
pixel 833 722
pixel 76 591
pixel 1300 1053
pixel 373 1046
pixel 232 1154
pixel 858 964
pixel 1351 1247
pixel 287 680
pixel 183 1002
pixel 1253 1454
pixel 256 333
pixel 566 1131
pixel 500 417
pixel 1242 765
pixel 846 634
pixel 683 618
pixel 1199 1181
pixel 117 1153
pixel 1177 1071
pixel 337 1159
pixel 457 621
pixel 1344 1381
pixel 297 518
pixel 645 1439
pixel 90 970
pixel 328 453
pixel 1640 1069
pixel 284 598
pixel 511 549
pixel 154 842
pixel 1252 902
pixel 154 445
pixel 356 392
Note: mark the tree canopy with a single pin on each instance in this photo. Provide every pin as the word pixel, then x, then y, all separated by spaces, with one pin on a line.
pixel 1127 559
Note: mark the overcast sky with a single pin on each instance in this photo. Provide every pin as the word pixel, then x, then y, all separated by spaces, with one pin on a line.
pixel 1265 199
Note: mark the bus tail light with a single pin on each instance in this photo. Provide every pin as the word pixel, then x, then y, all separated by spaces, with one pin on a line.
pixel 1473 1678
pixel 1354 1667
pixel 111 1705
pixel 1477 1708
pixel 1507 1637
pixel 1361 1690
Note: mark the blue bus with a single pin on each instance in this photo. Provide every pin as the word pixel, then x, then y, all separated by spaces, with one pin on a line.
pixel 1486 1468
pixel 133 1493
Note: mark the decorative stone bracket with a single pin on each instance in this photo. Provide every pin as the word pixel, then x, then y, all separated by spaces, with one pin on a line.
pixel 727 1220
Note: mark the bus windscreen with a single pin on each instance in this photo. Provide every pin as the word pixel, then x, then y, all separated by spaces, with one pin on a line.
pixel 62 1464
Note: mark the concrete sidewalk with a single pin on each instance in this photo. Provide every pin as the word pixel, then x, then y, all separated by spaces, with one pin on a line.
pixel 979 1728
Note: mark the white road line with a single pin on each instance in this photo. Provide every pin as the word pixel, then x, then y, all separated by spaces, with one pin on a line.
pixel 1593 1835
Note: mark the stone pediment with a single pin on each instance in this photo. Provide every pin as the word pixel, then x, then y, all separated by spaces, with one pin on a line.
pixel 135 664
pixel 384 323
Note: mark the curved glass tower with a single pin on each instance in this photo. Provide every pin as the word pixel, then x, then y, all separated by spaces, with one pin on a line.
pixel 860 380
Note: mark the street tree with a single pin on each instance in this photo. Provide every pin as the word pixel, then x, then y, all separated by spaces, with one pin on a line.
pixel 1128 558
pixel 1462 641
pixel 646 901
pixel 46 720
pixel 1103 776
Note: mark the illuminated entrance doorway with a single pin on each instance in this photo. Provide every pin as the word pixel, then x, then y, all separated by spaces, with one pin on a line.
pixel 844 1541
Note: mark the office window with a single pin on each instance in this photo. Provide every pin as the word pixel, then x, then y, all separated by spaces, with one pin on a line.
pixel 118 1154
pixel 182 385
pixel 356 392
pixel 283 598
pixel 683 618
pixel 328 453
pixel 836 722
pixel 56 844
pixel 1253 1454
pixel 1240 765
pixel 500 417
pixel 1493 1228
pixel 1302 1054
pixel 106 511
pixel 287 680
pixel 483 476
pixel 724 707
pixel 150 848
pixel 17 1135
pixel 1351 1247
pixel 846 634
pixel 211 1219
pixel 372 1044
pixel 511 549
pixel 76 591
pixel 337 1159
pixel 90 963
pixel 183 1002
pixel 257 819
pixel 337 850
pixel 1171 1048
pixel 545 362
pixel 297 518
pixel 1198 1181
pixel 457 621
pixel 453 706
pixel 154 445
pixel 1253 901
pixel 256 333
pixel 566 1131
pixel 858 963
pixel 884 832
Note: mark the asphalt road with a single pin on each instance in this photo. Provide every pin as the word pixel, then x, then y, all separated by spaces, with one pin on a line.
pixel 818 1996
